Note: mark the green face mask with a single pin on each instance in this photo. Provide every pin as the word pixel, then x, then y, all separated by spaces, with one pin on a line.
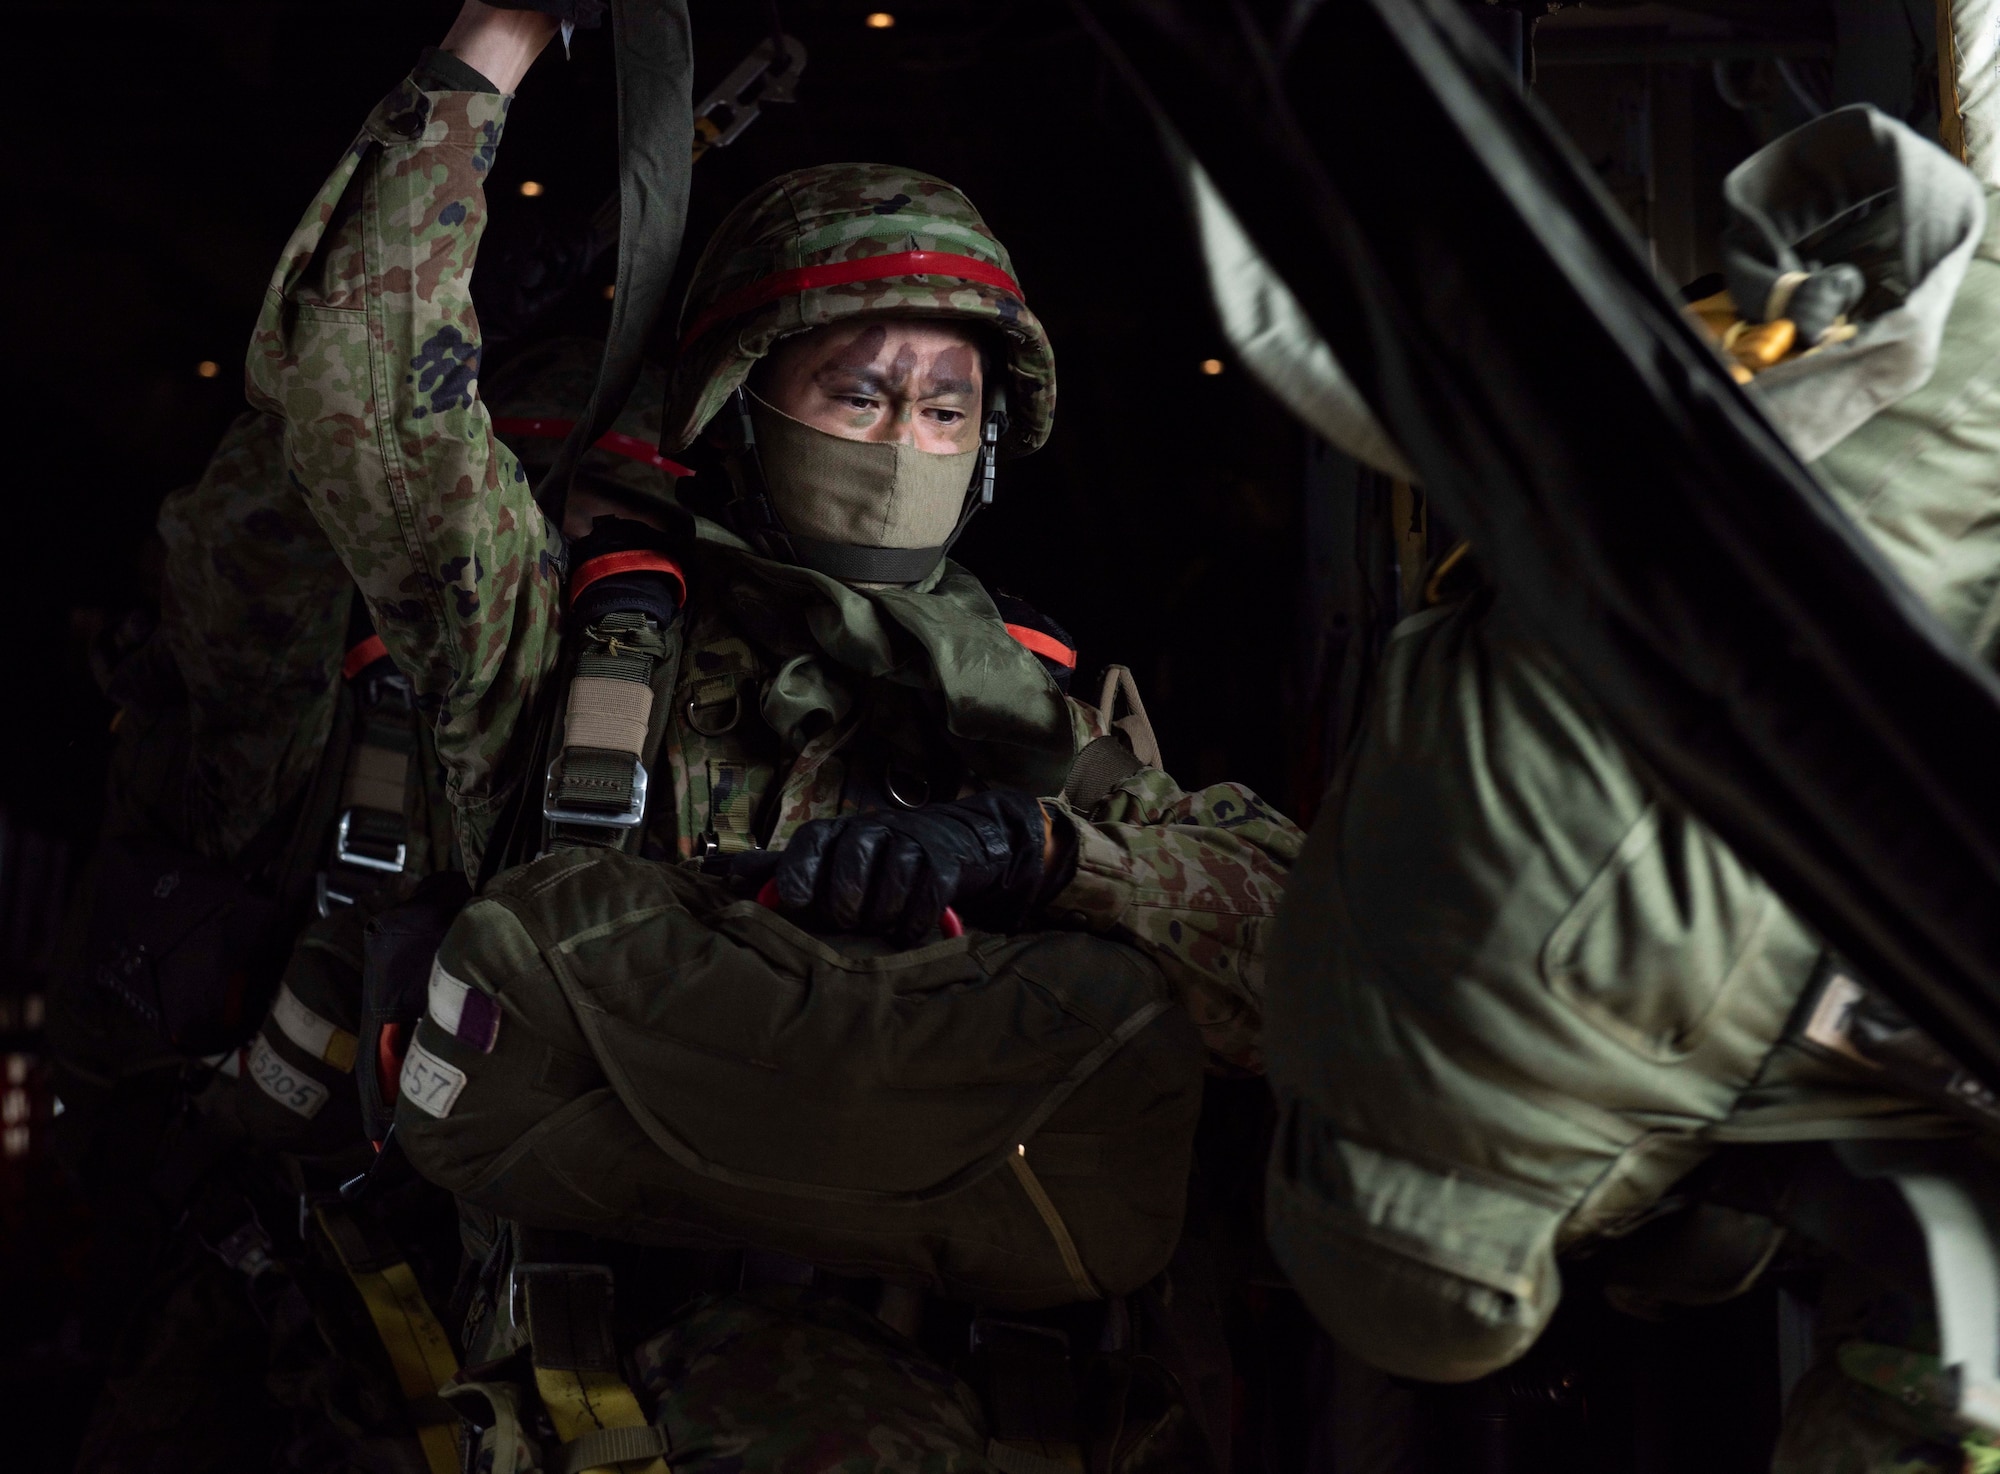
pixel 860 496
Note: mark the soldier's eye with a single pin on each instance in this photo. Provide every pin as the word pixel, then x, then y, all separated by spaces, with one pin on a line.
pixel 858 401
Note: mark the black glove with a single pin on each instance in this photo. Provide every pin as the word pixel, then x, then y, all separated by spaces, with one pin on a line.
pixel 892 873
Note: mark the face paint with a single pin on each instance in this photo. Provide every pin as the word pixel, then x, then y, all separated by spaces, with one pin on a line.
pixel 911 381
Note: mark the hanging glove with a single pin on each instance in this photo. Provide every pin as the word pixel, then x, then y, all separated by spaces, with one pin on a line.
pixel 892 873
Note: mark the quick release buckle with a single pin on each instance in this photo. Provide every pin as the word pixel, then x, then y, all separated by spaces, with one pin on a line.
pixel 345 854
pixel 631 818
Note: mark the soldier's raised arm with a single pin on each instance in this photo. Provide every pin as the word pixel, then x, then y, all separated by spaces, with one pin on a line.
pixel 368 347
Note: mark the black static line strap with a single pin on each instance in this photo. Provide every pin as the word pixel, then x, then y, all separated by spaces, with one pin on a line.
pixel 656 157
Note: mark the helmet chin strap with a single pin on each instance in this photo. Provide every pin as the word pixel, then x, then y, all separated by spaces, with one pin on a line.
pixel 755 516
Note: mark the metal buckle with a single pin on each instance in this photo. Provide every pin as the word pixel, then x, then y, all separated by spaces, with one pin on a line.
pixel 518 1274
pixel 325 897
pixel 347 856
pixel 635 811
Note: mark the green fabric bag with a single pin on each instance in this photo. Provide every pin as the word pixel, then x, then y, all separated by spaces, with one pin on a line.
pixel 1516 992
pixel 625 1048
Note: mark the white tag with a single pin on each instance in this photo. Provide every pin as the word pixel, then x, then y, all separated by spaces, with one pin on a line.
pixel 463 1011
pixel 318 1037
pixel 428 1083
pixel 1830 1024
pixel 293 1089
pixel 446 998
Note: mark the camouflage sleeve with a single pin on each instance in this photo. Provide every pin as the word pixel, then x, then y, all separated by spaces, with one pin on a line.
pixel 1193 880
pixel 253 609
pixel 369 349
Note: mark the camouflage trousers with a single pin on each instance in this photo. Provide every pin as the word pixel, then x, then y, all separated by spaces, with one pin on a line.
pixel 779 1380
pixel 1872 1409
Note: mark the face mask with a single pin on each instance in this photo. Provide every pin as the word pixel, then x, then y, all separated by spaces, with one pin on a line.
pixel 859 493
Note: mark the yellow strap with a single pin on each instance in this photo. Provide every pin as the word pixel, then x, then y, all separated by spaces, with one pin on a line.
pixel 418 1348
pixel 1058 1230
pixel 583 1402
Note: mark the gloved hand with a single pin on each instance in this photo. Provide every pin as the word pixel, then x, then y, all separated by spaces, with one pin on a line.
pixel 892 873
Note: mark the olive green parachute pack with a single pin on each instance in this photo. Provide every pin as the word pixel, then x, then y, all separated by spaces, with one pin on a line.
pixel 629 1049
pixel 1519 992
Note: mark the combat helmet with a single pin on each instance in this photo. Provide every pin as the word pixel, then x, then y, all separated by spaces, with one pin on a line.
pixel 535 395
pixel 840 241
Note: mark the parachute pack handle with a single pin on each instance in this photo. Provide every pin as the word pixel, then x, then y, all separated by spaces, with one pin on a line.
pixel 656 156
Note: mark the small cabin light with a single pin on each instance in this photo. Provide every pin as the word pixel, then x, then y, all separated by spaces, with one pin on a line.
pixel 880 20
pixel 1211 366
pixel 208 368
pixel 531 187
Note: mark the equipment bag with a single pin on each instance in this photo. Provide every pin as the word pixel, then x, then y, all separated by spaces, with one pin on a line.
pixel 188 946
pixel 628 1049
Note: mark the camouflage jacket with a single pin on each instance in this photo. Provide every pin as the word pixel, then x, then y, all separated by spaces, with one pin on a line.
pixel 369 348
pixel 254 619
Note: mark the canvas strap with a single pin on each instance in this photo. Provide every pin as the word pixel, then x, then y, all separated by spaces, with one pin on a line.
pixel 594 1411
pixel 597 782
pixel 419 1350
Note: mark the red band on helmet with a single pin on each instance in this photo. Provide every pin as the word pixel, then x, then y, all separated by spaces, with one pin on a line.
pixel 629 446
pixel 840 273
pixel 638 560
pixel 362 656
pixel 1046 646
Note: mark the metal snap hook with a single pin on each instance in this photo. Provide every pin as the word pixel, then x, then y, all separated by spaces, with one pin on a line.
pixel 903 800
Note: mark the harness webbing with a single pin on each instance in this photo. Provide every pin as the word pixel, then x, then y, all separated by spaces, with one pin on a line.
pixel 419 1350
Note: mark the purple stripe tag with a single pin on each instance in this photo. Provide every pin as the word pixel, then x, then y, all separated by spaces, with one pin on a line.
pixel 479 1021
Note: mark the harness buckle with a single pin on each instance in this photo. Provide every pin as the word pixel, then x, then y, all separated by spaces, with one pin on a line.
pixel 631 818
pixel 519 1274
pixel 346 855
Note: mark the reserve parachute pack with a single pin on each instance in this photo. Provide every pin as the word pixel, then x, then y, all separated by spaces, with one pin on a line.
pixel 631 1050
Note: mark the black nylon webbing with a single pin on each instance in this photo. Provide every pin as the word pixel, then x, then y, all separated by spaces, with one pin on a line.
pixel 656 157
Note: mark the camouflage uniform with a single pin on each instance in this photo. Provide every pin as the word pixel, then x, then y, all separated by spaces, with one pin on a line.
pixel 368 347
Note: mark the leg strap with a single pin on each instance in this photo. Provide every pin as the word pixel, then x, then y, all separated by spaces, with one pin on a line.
pixel 419 1351
pixel 583 1388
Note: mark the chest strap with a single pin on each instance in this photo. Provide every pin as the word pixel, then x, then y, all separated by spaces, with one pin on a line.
pixel 625 600
pixel 370 842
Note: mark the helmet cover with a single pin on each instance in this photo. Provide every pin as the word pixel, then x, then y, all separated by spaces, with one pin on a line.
pixel 821 246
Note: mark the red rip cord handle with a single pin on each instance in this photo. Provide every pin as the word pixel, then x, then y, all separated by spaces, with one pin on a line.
pixel 948 923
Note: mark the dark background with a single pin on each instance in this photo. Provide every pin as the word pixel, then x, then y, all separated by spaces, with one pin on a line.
pixel 158 152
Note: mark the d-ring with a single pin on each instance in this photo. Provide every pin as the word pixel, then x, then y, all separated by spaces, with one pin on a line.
pixel 735 715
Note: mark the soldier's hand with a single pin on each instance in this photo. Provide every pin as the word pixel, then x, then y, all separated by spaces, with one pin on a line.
pixel 893 873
